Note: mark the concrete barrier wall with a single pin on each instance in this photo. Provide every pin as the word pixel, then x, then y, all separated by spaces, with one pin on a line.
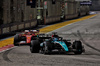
pixel 17 15
pixel 29 13
pixel 6 11
pixel 21 26
pixel 0 31
pixel 71 9
pixel 74 9
pixel 95 5
pixel 33 23
pixel 13 28
pixel 6 30
pixel 52 19
pixel 54 11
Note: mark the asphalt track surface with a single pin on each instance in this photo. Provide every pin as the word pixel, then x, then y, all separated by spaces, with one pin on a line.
pixel 88 31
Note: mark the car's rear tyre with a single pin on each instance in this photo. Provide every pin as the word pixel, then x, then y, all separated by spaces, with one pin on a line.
pixel 78 46
pixel 16 40
pixel 47 47
pixel 34 46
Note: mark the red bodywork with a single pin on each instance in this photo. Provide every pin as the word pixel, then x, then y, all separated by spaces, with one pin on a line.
pixel 29 35
pixel 28 38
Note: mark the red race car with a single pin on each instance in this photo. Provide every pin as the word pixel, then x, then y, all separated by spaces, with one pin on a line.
pixel 25 37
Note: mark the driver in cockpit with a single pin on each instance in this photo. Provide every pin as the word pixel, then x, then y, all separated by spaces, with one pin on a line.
pixel 55 37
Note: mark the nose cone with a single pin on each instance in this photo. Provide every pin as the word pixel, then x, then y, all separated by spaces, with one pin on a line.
pixel 28 38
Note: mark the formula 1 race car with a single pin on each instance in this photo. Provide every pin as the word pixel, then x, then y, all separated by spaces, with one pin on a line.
pixel 25 37
pixel 50 43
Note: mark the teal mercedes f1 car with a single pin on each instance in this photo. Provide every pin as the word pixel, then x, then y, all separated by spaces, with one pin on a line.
pixel 48 44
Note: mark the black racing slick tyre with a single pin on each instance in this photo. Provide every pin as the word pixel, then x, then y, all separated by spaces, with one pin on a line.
pixel 47 48
pixel 78 46
pixel 16 40
pixel 34 46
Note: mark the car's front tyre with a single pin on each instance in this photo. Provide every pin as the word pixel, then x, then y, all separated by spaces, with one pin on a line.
pixel 16 40
pixel 47 47
pixel 34 46
pixel 78 46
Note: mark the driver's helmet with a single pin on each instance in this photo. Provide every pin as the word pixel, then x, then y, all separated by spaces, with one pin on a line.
pixel 55 35
pixel 26 31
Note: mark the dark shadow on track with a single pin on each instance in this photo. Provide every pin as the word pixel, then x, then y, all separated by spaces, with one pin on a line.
pixel 5 56
pixel 78 34
pixel 86 42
